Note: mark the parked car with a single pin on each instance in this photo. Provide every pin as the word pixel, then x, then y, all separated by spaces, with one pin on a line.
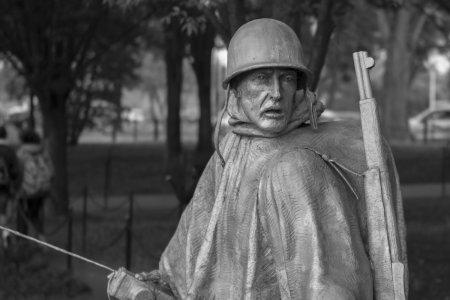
pixel 431 124
pixel 334 115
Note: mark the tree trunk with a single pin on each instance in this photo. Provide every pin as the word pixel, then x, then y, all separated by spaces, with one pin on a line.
pixel 231 15
pixel 55 132
pixel 321 41
pixel 396 78
pixel 236 14
pixel 334 74
pixel 117 121
pixel 78 116
pixel 201 47
pixel 174 50
pixel 31 119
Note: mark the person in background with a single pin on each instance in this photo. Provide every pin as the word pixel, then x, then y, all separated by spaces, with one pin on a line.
pixel 9 181
pixel 37 173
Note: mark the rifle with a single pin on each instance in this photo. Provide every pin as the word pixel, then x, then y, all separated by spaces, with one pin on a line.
pixel 383 234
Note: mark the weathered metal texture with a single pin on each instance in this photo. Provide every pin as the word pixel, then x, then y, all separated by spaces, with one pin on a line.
pixel 389 277
pixel 123 285
pixel 383 219
pixel 263 43
pixel 277 222
pixel 376 159
pixel 377 234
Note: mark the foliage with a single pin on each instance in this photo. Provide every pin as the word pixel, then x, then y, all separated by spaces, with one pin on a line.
pixel 12 85
pixel 52 44
pixel 190 24
pixel 103 81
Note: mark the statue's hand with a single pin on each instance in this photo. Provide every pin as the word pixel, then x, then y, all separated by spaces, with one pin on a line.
pixel 158 286
pixel 123 285
pixel 153 276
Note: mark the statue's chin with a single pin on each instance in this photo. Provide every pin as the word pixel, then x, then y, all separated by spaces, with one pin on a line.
pixel 273 126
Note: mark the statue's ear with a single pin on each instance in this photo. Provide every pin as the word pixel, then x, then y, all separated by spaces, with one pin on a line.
pixel 233 102
pixel 235 94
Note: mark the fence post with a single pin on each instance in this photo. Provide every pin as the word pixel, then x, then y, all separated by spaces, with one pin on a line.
pixel 107 179
pixel 135 131
pixel 129 230
pixel 444 162
pixel 84 221
pixel 69 238
pixel 425 130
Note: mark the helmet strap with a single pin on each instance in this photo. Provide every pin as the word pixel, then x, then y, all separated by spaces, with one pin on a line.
pixel 217 129
pixel 312 110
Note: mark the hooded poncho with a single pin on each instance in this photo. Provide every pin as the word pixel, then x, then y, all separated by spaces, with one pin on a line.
pixel 283 218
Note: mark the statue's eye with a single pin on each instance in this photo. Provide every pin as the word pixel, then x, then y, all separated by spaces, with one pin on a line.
pixel 261 76
pixel 289 78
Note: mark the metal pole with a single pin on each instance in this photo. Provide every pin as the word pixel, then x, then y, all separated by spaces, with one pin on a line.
pixel 84 221
pixel 432 91
pixel 135 131
pixel 425 130
pixel 444 179
pixel 69 238
pixel 129 229
pixel 107 177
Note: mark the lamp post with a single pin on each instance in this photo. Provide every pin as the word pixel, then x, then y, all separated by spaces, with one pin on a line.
pixel 437 64
pixel 432 91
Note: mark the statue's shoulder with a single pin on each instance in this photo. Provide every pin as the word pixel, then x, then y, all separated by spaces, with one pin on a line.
pixel 341 134
pixel 341 141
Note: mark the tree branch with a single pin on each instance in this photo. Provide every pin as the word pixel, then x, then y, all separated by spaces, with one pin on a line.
pixel 236 14
pixel 218 26
pixel 418 30
pixel 444 4
pixel 383 23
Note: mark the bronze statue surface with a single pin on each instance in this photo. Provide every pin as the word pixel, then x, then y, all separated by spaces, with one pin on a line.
pixel 284 219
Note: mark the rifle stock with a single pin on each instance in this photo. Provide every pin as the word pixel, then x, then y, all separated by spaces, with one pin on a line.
pixel 383 233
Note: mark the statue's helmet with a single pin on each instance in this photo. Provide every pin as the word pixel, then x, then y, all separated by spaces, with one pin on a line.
pixel 265 43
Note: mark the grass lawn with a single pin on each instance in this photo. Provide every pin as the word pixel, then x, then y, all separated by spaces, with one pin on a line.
pixel 139 168
pixel 124 168
pixel 428 225
pixel 422 163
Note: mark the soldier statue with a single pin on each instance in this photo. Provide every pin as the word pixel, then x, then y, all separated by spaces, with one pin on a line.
pixel 279 211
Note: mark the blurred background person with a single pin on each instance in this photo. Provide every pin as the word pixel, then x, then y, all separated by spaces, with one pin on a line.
pixel 37 173
pixel 9 181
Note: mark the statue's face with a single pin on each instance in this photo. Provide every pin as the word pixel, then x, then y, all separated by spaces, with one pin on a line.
pixel 267 96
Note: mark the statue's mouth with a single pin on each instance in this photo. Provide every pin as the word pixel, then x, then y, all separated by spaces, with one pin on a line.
pixel 272 112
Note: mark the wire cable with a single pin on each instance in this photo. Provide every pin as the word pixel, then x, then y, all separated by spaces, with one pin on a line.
pixel 27 237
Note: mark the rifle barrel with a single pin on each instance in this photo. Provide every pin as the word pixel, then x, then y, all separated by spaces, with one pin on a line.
pixel 362 64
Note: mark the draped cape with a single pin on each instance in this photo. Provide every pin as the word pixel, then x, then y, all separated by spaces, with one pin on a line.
pixel 284 218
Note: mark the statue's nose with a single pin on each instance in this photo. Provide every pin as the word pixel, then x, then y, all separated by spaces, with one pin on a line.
pixel 275 88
